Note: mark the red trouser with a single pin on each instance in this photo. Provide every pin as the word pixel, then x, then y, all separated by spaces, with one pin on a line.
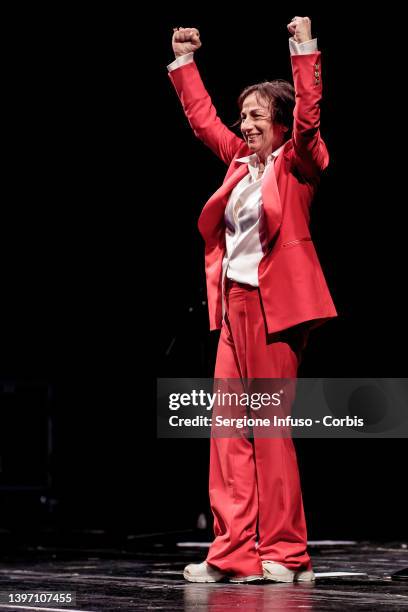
pixel 255 489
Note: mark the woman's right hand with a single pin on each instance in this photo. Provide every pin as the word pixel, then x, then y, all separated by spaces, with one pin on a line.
pixel 185 40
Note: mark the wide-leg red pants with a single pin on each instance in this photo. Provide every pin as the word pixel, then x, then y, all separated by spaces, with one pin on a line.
pixel 254 484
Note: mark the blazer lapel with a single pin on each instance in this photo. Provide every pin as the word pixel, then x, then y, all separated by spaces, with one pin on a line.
pixel 212 215
pixel 271 201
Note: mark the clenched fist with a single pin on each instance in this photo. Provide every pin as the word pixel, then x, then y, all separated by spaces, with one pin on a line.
pixel 301 29
pixel 185 40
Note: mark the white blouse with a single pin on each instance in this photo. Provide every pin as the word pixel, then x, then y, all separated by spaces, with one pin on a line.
pixel 244 221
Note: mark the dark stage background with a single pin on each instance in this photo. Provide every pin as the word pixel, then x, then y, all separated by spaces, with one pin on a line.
pixel 102 264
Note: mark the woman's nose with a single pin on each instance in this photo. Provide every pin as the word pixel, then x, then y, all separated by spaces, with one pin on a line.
pixel 246 125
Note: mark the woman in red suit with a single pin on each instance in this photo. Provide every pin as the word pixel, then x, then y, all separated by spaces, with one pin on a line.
pixel 266 290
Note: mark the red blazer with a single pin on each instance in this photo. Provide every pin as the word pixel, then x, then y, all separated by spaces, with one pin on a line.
pixel 291 282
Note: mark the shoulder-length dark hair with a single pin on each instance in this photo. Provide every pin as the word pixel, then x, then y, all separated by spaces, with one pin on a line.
pixel 280 95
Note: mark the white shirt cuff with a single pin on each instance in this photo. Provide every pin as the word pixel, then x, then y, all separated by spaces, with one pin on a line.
pixel 181 61
pixel 310 46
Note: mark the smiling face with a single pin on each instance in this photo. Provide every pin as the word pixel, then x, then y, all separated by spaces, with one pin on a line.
pixel 259 131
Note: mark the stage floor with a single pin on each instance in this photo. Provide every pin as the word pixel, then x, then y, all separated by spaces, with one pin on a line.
pixel 149 577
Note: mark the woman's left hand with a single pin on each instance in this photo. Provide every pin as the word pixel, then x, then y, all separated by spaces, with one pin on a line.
pixel 301 29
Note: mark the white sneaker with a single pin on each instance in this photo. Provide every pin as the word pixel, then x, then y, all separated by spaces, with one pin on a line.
pixel 279 573
pixel 305 576
pixel 202 572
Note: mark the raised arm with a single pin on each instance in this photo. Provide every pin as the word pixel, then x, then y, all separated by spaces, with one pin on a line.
pixel 310 153
pixel 196 102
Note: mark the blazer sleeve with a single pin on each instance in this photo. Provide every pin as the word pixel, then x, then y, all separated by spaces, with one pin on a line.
pixel 310 153
pixel 201 114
